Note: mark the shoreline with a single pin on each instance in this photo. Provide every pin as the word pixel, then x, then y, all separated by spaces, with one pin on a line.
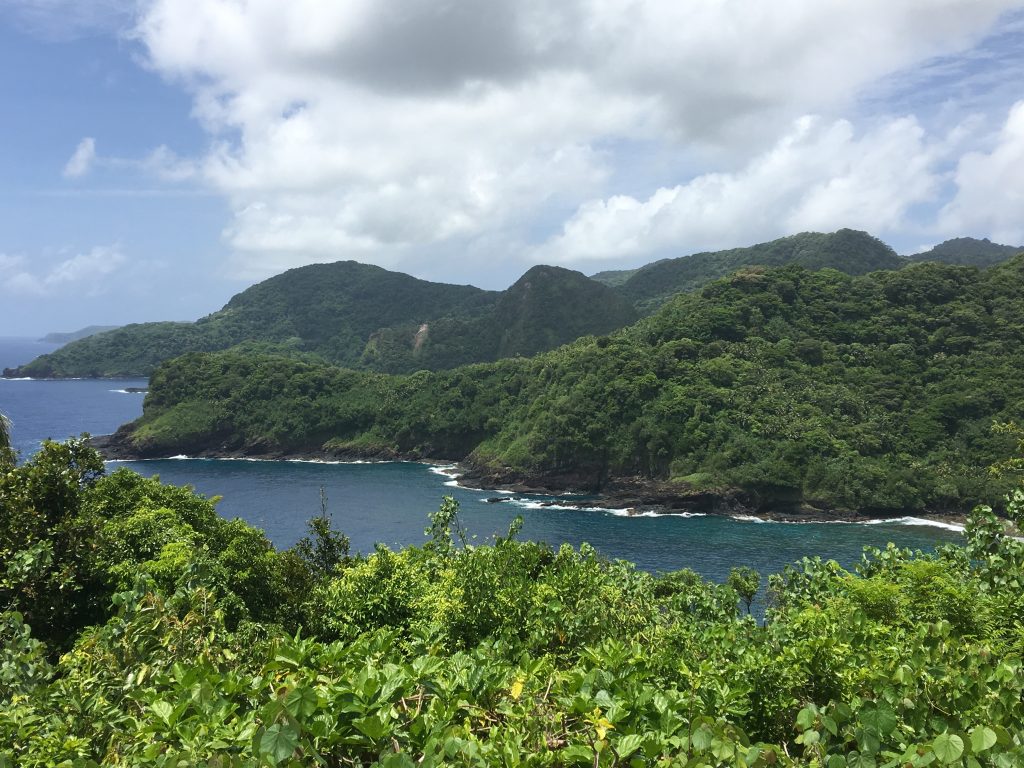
pixel 629 497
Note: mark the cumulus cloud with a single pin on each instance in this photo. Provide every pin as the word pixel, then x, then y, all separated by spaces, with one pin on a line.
pixel 990 187
pixel 819 176
pixel 385 131
pixel 82 160
pixel 82 273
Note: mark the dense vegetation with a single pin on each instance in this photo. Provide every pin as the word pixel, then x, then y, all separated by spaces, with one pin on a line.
pixel 849 251
pixel 873 393
pixel 969 251
pixel 139 629
pixel 364 317
pixel 327 311
pixel 361 316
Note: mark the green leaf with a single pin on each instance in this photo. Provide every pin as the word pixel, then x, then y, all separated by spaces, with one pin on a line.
pixel 880 718
pixel 279 742
pixel 164 711
pixel 982 738
pixel 860 760
pixel 948 748
pixel 371 726
pixel 628 744
pixel 396 760
pixel 700 739
pixel 300 702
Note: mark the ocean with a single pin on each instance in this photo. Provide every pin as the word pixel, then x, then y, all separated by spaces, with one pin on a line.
pixel 388 503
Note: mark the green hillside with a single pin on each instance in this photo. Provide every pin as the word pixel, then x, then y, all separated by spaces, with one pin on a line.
pixel 361 316
pixel 613 277
pixel 969 251
pixel 545 308
pixel 849 251
pixel 366 317
pixel 325 311
pixel 786 386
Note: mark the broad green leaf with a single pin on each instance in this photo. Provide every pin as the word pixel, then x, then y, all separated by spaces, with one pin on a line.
pixel 300 702
pixel 982 738
pixel 371 726
pixel 860 760
pixel 805 718
pixel 628 744
pixel 700 739
pixel 164 710
pixel 948 748
pixel 880 717
pixel 279 742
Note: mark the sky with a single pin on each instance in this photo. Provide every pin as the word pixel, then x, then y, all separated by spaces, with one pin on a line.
pixel 157 157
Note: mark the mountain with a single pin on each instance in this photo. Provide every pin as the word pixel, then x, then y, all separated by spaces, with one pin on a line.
pixel 362 316
pixel 64 338
pixel 574 306
pixel 849 251
pixel 969 251
pixel 321 311
pixel 365 317
pixel 772 388
pixel 545 308
pixel 613 277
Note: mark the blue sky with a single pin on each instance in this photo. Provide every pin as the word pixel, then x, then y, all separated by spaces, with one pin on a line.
pixel 155 158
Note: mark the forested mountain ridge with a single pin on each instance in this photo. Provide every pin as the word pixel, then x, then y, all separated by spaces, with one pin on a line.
pixel 365 317
pixel 969 251
pixel 545 308
pixel 786 386
pixel 848 250
pixel 326 311
pixel 361 316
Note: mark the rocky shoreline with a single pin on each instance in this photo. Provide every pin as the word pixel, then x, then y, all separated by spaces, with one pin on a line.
pixel 635 495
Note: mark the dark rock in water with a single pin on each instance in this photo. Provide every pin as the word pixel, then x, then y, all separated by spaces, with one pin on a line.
pixel 496 499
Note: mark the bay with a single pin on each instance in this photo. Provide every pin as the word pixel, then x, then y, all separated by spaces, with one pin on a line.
pixel 388 503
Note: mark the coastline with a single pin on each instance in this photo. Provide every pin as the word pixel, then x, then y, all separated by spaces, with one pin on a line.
pixel 629 496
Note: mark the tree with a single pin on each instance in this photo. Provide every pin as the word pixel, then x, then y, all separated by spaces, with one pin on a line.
pixel 745 581
pixel 6 452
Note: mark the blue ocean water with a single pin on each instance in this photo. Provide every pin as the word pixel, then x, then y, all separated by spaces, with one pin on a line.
pixel 389 502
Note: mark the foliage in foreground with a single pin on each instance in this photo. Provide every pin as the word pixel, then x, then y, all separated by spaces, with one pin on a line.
pixel 141 630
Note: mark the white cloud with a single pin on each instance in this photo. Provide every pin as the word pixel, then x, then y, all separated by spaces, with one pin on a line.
pixel 81 273
pixel 385 131
pixel 82 160
pixel 166 165
pixel 819 176
pixel 990 187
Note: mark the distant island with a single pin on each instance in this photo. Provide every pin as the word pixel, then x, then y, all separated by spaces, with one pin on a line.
pixel 82 333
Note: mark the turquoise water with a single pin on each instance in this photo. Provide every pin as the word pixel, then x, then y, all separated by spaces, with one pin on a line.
pixel 388 503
